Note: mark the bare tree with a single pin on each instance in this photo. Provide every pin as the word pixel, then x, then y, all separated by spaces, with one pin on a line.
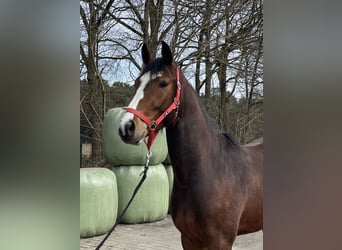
pixel 94 99
pixel 238 41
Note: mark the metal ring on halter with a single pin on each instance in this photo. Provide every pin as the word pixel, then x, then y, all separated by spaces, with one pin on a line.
pixel 149 154
pixel 153 125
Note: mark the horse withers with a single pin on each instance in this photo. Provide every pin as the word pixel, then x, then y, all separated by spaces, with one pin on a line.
pixel 218 184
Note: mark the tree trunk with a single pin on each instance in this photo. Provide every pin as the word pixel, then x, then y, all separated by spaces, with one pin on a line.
pixel 95 100
pixel 198 62
pixel 222 75
pixel 207 35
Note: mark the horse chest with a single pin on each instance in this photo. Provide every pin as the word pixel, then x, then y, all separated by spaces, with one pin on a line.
pixel 188 224
pixel 189 213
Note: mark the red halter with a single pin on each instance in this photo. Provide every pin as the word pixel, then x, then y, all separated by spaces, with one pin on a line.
pixel 152 125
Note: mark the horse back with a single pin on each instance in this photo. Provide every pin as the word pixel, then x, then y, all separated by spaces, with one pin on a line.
pixel 255 152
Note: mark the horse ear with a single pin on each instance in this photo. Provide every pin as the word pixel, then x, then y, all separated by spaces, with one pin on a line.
pixel 166 53
pixel 146 55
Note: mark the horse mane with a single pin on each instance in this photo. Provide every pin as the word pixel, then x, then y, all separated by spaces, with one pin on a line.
pixel 213 124
pixel 231 139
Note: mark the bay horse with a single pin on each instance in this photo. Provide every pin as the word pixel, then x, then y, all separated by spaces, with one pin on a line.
pixel 218 184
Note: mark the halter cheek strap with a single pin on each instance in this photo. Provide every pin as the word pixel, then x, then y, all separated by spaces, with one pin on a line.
pixel 152 125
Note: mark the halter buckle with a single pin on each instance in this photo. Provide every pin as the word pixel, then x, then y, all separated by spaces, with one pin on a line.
pixel 179 85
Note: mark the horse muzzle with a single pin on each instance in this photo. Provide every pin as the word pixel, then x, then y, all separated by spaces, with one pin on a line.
pixel 129 134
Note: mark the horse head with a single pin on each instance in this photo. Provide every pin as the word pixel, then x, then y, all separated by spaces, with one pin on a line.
pixel 156 91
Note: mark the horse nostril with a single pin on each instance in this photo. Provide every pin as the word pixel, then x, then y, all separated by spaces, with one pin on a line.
pixel 121 132
pixel 129 128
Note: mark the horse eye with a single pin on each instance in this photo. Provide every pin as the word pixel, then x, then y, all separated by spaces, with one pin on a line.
pixel 163 84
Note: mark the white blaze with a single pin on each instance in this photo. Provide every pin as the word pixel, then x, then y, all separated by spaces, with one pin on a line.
pixel 154 76
pixel 144 79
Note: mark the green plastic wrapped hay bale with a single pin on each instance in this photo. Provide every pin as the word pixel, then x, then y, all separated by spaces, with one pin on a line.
pixel 152 200
pixel 119 153
pixel 167 160
pixel 169 172
pixel 98 201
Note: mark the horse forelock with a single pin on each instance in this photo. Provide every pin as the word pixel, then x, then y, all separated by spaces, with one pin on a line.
pixel 155 67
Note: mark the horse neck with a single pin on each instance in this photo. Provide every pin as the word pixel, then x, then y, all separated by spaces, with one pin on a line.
pixel 188 138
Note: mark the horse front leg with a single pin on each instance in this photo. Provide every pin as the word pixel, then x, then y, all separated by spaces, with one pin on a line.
pixel 222 239
pixel 220 246
pixel 188 244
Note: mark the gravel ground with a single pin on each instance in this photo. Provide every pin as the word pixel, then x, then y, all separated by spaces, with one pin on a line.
pixel 161 235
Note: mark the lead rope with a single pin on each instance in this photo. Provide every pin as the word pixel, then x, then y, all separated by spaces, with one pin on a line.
pixel 144 174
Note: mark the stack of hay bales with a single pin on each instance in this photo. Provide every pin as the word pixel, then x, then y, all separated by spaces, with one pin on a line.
pixel 128 161
pixel 98 201
pixel 168 167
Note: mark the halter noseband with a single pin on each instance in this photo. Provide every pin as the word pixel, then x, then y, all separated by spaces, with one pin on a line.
pixel 152 125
